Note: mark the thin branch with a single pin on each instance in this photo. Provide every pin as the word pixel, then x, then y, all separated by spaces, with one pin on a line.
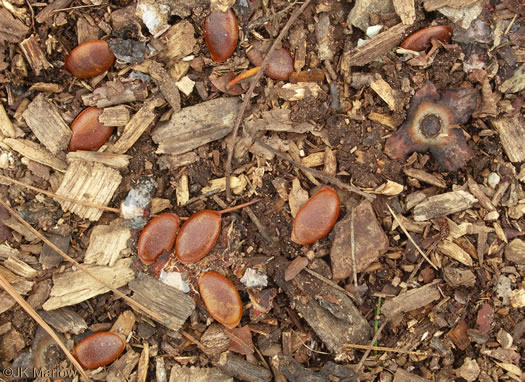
pixel 129 300
pixel 249 93
pixel 410 238
pixel 352 240
pixel 59 197
pixel 318 174
pixel 387 349
pixel 368 348
pixel 29 309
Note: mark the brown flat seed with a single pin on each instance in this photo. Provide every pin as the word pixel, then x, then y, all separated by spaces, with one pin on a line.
pixel 197 236
pixel 221 34
pixel 316 217
pixel 420 40
pixel 99 349
pixel 295 267
pixel 280 66
pixel 157 237
pixel 89 59
pixel 88 132
pixel 221 298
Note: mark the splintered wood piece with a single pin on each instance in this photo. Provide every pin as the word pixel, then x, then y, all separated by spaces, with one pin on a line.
pixel 425 177
pixel 121 369
pixel 406 11
pixel 65 320
pixel 20 268
pixel 512 135
pixel 443 204
pixel 106 244
pixel 89 182
pixel 35 152
pixel 328 311
pixel 50 10
pixel 432 5
pixel 114 116
pixel 108 159
pixel 454 251
pixel 170 304
pixel 21 285
pixel 6 126
pixel 124 323
pixel 34 55
pixel 72 287
pixel 116 93
pixel 197 374
pixel 241 369
pixel 411 300
pixel 376 46
pixel 166 84
pixel 139 123
pixel 197 125
pixel 383 90
pixel 45 121
pixel 179 41
pixel 11 29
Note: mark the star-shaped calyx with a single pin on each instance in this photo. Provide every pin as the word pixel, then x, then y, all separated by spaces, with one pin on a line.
pixel 433 125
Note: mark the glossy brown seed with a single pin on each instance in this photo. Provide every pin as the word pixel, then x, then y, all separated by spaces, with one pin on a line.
pixel 221 34
pixel 157 237
pixel 221 298
pixel 420 40
pixel 197 236
pixel 89 59
pixel 99 349
pixel 88 132
pixel 280 66
pixel 316 217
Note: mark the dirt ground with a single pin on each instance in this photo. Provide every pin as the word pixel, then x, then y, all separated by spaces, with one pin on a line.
pixel 454 314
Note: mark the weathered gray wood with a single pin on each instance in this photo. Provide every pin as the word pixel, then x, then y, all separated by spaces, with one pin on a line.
pixel 37 153
pixel 197 374
pixel 239 368
pixel 411 300
pixel 169 303
pixel 443 204
pixel 65 320
pixel 196 125
pixel 106 244
pixel 512 135
pixel 116 93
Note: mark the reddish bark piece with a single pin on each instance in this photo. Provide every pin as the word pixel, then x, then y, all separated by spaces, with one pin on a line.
pixel 221 298
pixel 221 34
pixel 158 237
pixel 420 40
pixel 241 340
pixel 316 217
pixel 485 318
pixel 432 125
pixel 280 65
pixel 459 335
pixel 262 302
pixel 296 266
pixel 89 59
pixel 88 132
pixel 197 236
pixel 99 349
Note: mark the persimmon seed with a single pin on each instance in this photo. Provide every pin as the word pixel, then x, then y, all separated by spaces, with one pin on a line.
pixel 89 59
pixel 88 132
pixel 221 298
pixel 197 236
pixel 221 34
pixel 99 349
pixel 420 40
pixel 316 218
pixel 157 237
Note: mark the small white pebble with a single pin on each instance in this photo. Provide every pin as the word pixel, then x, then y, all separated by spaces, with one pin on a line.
pixel 493 179
pixel 373 30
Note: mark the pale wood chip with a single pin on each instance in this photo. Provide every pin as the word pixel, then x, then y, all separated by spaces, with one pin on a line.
pixel 124 323
pixel 406 11
pixel 512 135
pixel 383 119
pixel 383 90
pixel 114 116
pixel 297 197
pixel 47 124
pixel 454 251
pixel 197 374
pixel 179 41
pixel 313 160
pixel 108 159
pixel 237 184
pixel 443 204
pixel 116 93
pixel 183 191
pixel 106 244
pixel 20 268
pixel 411 300
pixel 432 5
pixel 435 180
pixel 72 287
pixel 34 55
pixel 6 126
pixel 90 182
pixel 20 284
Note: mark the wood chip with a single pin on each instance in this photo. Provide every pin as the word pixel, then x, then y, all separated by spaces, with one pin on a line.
pixel 139 123
pixel 172 305
pixel 37 153
pixel 454 251
pixel 11 29
pixel 296 266
pixel 515 83
pixel 90 182
pixel 297 197
pixel 423 176
pixel 116 93
pixel 173 162
pixel 6 126
pixel 121 369
pixel 383 90
pixel 241 369
pixel 376 47
pixel 183 191
pixel 47 124
pixel 114 116
pixel 443 204
pixel 405 376
pixel 108 159
pixel 383 119
pixel 65 320
pixel 20 268
pixel 411 300
pixel 313 160
pixel 478 193
pixel 50 10
pixel 197 374
pixel 20 284
pixel 512 135
pixel 124 323
pixel 179 41
pixel 432 5
pixel 106 244
pixel 196 125
pixel 72 287
pixel 406 11
pixel 34 55
pixel 237 185
pixel 167 86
